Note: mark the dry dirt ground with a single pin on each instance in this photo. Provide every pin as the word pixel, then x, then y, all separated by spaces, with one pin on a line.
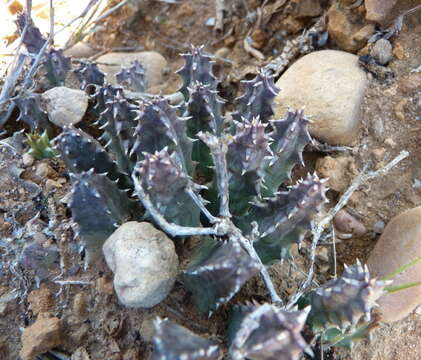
pixel 92 318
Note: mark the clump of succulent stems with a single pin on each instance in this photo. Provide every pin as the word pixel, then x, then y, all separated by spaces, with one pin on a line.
pixel 147 164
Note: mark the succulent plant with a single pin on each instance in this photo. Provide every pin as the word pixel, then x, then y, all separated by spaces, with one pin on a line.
pixel 132 77
pixel 153 143
pixel 265 332
pixel 245 215
pixel 88 74
pixel 174 342
pixel 57 66
pixel 31 112
pixel 342 307
pixel 32 39
pixel 41 147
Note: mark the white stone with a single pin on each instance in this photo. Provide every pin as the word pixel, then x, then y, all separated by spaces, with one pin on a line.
pixel 144 263
pixel 65 106
pixel 330 86
pixel 154 64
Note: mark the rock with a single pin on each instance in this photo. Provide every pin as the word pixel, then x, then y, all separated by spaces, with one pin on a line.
pixel 104 285
pixel 154 63
pixel 80 305
pixel 398 51
pixel 347 224
pixel 147 329
pixel 340 171
pixel 44 171
pixel 305 8
pixel 40 337
pixel 347 28
pixel 5 300
pixel 41 301
pixel 399 244
pixel 144 263
pixel 384 12
pixel 80 51
pixel 65 106
pixel 378 226
pixel 27 160
pixel 382 51
pixel 331 86
pixel 293 25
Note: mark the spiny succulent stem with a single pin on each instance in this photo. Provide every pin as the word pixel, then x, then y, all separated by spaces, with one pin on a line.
pixel 172 229
pixel 222 227
pixel 320 226
pixel 219 149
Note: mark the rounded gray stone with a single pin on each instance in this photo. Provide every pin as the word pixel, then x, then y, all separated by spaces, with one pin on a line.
pixel 382 51
pixel 65 106
pixel 144 263
pixel 330 86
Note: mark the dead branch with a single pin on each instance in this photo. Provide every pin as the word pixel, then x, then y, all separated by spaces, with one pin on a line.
pixel 320 226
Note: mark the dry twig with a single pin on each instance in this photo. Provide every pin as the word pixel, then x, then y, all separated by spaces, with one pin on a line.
pixel 320 226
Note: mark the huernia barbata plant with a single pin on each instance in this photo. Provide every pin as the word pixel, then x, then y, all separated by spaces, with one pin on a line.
pixel 151 155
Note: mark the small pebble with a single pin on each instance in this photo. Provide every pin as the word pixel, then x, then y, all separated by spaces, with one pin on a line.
pixel 28 160
pixel 382 51
pixel 43 170
pixel 346 223
pixel 378 226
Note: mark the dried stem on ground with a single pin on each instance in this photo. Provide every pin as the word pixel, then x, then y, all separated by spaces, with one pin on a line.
pixel 321 225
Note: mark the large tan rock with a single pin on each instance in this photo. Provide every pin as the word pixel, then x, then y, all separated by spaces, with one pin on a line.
pixel 347 28
pixel 330 86
pixel 399 244
pixel 384 12
pixel 144 263
pixel 41 336
pixel 154 64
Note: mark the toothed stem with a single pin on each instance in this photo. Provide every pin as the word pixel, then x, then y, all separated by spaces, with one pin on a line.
pixel 219 149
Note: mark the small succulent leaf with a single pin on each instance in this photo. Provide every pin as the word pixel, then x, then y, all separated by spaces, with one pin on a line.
pixel 31 112
pixel 33 39
pixel 175 342
pixel 204 114
pixel 217 273
pixel 132 77
pixel 344 301
pixel 160 127
pixel 268 333
pixel 347 338
pixel 41 147
pixel 197 68
pixel 89 74
pixel 98 207
pixel 289 137
pixel 80 152
pixel 157 172
pixel 101 96
pixel 204 110
pixel 247 150
pixel 118 123
pixel 57 66
pixel 257 100
pixel 285 219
